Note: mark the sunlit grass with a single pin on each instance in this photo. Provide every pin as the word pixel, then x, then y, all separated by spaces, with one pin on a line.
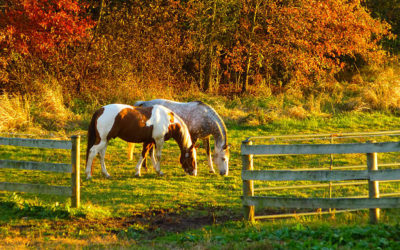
pixel 110 207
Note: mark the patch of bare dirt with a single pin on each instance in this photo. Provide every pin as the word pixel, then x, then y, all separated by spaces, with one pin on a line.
pixel 173 221
pixel 168 220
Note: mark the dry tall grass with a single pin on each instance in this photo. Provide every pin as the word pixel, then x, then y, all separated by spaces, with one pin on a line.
pixel 43 110
pixel 14 113
pixel 50 111
pixel 384 92
pixel 378 89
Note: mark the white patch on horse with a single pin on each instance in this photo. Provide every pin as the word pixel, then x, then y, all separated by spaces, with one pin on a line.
pixel 159 121
pixel 105 122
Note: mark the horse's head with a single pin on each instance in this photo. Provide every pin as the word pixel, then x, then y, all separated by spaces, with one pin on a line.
pixel 188 160
pixel 222 160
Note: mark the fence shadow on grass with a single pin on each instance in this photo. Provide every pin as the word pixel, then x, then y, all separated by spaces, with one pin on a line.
pixel 10 210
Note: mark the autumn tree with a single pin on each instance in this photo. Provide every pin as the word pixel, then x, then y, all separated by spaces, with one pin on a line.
pixel 40 30
pixel 140 38
pixel 248 41
pixel 172 42
pixel 389 11
pixel 301 41
pixel 210 26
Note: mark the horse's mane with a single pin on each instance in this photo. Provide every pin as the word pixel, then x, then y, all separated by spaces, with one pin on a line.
pixel 182 136
pixel 184 132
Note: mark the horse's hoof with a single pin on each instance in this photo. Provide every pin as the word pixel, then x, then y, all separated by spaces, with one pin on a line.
pixel 160 173
pixel 137 175
pixel 212 171
pixel 106 175
pixel 88 178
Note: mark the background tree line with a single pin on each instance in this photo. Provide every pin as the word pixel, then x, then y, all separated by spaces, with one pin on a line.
pixel 87 47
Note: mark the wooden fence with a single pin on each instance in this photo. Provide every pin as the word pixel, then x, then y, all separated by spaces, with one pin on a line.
pixel 73 168
pixel 372 175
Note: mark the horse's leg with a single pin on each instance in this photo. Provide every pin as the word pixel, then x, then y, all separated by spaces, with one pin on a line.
pixel 153 158
pixel 92 154
pixel 138 166
pixel 94 150
pixel 206 142
pixel 131 147
pixel 102 153
pixel 145 150
pixel 144 164
pixel 158 148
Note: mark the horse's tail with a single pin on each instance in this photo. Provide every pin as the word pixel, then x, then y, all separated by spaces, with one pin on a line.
pixel 91 135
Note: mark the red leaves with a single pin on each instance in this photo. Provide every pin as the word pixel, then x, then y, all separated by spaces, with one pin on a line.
pixel 40 27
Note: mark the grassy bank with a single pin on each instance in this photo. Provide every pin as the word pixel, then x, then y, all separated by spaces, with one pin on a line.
pixel 179 211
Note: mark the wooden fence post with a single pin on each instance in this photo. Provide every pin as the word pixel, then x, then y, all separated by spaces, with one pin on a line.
pixel 248 185
pixel 331 168
pixel 372 163
pixel 75 175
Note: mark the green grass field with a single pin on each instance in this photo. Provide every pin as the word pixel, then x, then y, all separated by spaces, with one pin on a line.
pixel 180 211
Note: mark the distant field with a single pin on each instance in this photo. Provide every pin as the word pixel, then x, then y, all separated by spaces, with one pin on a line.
pixel 180 211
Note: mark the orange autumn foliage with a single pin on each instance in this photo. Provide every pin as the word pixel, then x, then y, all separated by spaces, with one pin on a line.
pixel 302 41
pixel 39 27
pixel 210 44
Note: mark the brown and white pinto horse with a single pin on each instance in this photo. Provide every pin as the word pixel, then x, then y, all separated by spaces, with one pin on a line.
pixel 147 125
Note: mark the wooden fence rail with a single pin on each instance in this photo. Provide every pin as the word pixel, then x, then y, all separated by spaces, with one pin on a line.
pixel 73 168
pixel 372 175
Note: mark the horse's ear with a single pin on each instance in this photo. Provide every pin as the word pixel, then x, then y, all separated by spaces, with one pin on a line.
pixel 227 146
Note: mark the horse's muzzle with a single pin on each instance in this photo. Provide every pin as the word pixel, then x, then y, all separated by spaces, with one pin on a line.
pixel 223 173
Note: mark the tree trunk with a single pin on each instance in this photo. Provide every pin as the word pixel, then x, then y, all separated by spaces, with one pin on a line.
pixel 86 62
pixel 245 85
pixel 210 53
